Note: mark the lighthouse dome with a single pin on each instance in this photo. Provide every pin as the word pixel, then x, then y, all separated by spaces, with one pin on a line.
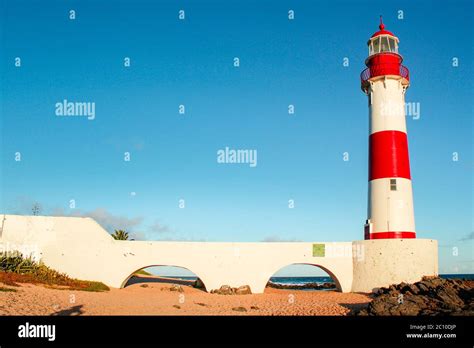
pixel 382 31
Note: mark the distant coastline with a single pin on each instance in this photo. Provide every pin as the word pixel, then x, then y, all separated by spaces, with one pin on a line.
pixel 303 280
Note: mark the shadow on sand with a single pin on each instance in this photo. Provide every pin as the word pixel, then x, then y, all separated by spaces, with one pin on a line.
pixel 73 311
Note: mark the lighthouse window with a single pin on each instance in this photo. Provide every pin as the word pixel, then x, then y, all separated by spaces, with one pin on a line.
pixel 393 184
pixel 376 44
pixel 384 47
pixel 393 45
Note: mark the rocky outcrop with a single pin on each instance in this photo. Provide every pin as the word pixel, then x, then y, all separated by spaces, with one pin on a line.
pixel 307 286
pixel 228 290
pixel 430 296
pixel 176 287
pixel 199 284
pixel 243 290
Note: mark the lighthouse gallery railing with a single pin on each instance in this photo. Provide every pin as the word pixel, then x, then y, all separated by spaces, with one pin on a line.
pixel 384 69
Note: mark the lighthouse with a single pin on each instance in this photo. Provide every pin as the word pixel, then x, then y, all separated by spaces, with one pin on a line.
pixel 390 199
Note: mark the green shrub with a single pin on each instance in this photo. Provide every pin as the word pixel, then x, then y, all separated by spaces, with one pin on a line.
pixel 15 262
pixel 34 272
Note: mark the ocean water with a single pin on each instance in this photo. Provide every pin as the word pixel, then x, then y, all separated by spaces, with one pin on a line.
pixel 322 279
pixel 300 280
pixel 458 276
pixel 281 280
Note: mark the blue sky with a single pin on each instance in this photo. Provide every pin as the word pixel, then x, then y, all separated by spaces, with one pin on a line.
pixel 190 62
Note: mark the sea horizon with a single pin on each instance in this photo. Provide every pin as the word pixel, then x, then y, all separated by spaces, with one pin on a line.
pixel 302 280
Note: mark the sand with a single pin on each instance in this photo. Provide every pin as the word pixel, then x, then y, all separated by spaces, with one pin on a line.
pixel 157 299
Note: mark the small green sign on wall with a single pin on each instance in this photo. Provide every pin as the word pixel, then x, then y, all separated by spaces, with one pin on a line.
pixel 318 250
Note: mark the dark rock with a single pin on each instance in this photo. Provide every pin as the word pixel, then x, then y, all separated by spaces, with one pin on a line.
pixel 176 287
pixel 430 296
pixel 435 282
pixel 410 288
pixel 411 305
pixel 239 309
pixel 243 290
pixel 422 287
pixel 362 312
pixel 199 284
pixel 228 290
pixel 382 305
pixel 223 290
pixel 427 312
pixel 449 297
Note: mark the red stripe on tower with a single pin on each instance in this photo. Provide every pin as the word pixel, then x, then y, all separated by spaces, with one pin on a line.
pixel 388 155
pixel 386 235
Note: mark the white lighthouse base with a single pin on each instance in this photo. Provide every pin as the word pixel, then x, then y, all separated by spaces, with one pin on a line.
pixel 82 249
pixel 392 261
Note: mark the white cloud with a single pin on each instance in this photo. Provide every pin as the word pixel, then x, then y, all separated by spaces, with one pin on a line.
pixel 157 227
pixel 469 236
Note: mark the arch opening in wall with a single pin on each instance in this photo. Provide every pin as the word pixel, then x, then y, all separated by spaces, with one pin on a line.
pixel 164 274
pixel 304 276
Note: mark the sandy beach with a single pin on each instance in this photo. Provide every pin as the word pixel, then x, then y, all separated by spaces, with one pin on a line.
pixel 157 298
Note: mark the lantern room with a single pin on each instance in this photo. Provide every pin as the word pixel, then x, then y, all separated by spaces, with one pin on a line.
pixel 383 43
pixel 384 59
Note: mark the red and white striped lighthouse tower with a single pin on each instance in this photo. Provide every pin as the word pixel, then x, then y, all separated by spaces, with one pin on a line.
pixel 390 199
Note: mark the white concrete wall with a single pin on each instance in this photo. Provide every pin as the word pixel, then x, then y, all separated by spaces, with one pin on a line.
pixel 83 249
pixel 392 261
